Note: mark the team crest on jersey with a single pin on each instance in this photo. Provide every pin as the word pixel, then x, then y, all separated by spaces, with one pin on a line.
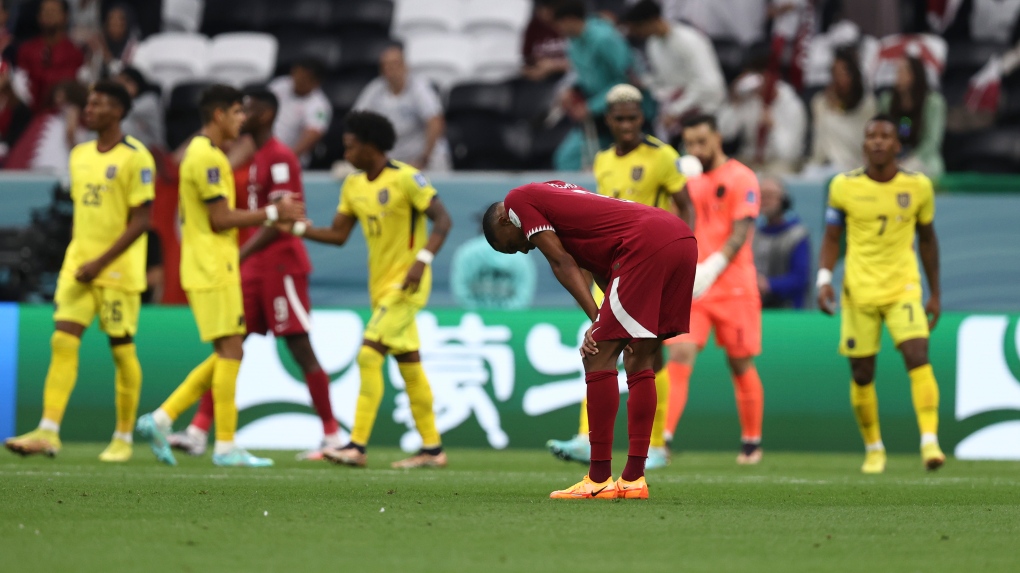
pixel 637 172
pixel 420 180
pixel 146 176
pixel 903 199
pixel 111 172
pixel 213 175
pixel 384 196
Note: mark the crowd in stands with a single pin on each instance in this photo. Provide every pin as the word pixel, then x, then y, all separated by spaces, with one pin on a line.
pixel 520 84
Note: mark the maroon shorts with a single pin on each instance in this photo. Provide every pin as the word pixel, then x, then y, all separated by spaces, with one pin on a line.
pixel 651 299
pixel 276 303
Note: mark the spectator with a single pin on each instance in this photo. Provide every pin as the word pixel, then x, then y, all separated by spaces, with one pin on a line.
pixel 921 115
pixel 84 18
pixel 740 21
pixel 145 120
pixel 305 111
pixel 685 74
pixel 6 38
pixel 51 57
pixel 113 49
pixel 601 58
pixel 782 250
pixel 414 109
pixel 839 114
pixel 544 49
pixel 14 115
pixel 62 128
pixel 769 119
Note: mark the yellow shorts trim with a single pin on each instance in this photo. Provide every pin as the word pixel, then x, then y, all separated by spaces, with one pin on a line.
pixel 393 323
pixel 80 303
pixel 861 326
pixel 219 313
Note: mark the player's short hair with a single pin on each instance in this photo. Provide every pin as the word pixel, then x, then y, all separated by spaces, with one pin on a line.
pixel 570 9
pixel 116 92
pixel 643 11
pixel 263 95
pixel 371 128
pixel 623 93
pixel 489 220
pixel 884 118
pixel 314 65
pixel 701 119
pixel 218 96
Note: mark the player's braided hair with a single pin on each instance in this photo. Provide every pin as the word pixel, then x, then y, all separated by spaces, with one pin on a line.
pixel 371 128
pixel 623 93
pixel 489 224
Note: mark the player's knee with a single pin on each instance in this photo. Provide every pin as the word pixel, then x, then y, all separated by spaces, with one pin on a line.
pixel 301 349
pixel 740 365
pixel 681 353
pixel 915 353
pixel 863 372
pixel 369 358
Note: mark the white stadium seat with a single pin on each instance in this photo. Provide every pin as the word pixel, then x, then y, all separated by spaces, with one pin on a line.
pixel 170 58
pixel 241 58
pixel 496 16
pixel 496 58
pixel 413 18
pixel 443 59
pixel 182 15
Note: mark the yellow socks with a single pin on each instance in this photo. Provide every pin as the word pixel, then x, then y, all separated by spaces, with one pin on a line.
pixel 370 363
pixel 582 429
pixel 661 408
pixel 925 393
pixel 62 375
pixel 190 391
pixel 128 386
pixel 224 384
pixel 864 400
pixel 420 395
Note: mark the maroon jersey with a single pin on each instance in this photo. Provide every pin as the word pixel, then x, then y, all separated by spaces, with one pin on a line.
pixel 275 171
pixel 606 236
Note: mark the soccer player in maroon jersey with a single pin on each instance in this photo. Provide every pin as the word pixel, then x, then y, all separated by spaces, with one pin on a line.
pixel 274 274
pixel 644 259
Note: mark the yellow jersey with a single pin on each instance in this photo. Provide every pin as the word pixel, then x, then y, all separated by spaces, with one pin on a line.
pixel 881 221
pixel 649 174
pixel 391 210
pixel 105 186
pixel 209 260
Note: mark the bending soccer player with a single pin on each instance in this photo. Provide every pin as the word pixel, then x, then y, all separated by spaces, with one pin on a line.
pixel 645 170
pixel 881 208
pixel 391 200
pixel 210 275
pixel 103 274
pixel 274 274
pixel 644 259
pixel 726 200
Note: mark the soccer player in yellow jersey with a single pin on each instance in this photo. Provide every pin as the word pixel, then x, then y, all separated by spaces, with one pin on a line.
pixel 103 274
pixel 645 170
pixel 210 275
pixel 391 200
pixel 881 207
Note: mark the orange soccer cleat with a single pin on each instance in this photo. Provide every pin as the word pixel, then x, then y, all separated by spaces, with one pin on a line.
pixel 637 489
pixel 587 489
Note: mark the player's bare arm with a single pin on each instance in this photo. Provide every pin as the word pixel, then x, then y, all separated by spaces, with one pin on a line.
pixel 827 256
pixel 139 220
pixel 222 217
pixel 441 225
pixel 336 234
pixel 684 207
pixel 566 270
pixel 928 248
pixel 737 238
pixel 260 240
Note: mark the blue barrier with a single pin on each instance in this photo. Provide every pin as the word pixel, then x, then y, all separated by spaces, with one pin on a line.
pixel 8 367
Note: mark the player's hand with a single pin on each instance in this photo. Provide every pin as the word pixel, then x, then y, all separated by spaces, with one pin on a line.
pixel 413 278
pixel 934 310
pixel 289 209
pixel 827 299
pixel 88 271
pixel 589 347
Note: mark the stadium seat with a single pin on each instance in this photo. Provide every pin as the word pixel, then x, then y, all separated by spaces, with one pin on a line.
pixel 423 17
pixel 242 57
pixel 182 115
pixel 170 58
pixel 300 15
pixel 496 58
pixel 222 16
pixel 359 55
pixel 731 57
pixel 477 143
pixel 182 15
pixel 532 100
pixel 342 92
pixel 443 59
pixel 968 58
pixel 995 150
pixel 362 16
pixel 485 17
pixel 326 47
pixel 472 99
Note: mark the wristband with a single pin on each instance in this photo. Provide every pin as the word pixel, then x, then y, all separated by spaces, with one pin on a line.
pixel 426 256
pixel 272 213
pixel 824 278
pixel 299 228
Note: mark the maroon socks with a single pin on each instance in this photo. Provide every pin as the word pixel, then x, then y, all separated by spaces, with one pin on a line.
pixel 603 402
pixel 640 415
pixel 318 387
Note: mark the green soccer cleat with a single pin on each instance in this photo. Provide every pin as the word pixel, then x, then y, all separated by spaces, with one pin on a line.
pixel 576 449
pixel 658 458
pixel 149 431
pixel 240 458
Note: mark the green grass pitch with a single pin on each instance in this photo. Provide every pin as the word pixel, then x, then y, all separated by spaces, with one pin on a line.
pixel 489 512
